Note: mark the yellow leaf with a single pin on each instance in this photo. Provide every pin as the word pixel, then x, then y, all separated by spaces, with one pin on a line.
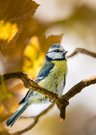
pixel 33 55
pixel 1 109
pixel 7 31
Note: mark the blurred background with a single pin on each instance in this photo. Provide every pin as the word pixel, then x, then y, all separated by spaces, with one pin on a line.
pixel 27 29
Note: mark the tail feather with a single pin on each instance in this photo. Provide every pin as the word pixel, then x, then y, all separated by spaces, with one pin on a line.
pixel 16 115
pixel 27 96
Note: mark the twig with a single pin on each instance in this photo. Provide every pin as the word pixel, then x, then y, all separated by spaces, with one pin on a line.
pixel 36 119
pixel 84 51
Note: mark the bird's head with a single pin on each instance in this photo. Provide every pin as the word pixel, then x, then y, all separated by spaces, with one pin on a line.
pixel 56 52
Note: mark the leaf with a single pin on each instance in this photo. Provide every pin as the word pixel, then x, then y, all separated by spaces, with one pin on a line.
pixel 45 43
pixel 33 57
pixel 7 31
pixel 27 28
pixel 18 9
pixel 54 39
pixel 20 12
pixel 1 110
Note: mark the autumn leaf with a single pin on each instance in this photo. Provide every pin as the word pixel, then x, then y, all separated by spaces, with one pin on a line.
pixel 7 31
pixel 46 42
pixel 33 57
pixel 11 23
pixel 19 8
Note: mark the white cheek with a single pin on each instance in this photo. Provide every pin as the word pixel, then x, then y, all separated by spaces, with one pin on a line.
pixel 54 55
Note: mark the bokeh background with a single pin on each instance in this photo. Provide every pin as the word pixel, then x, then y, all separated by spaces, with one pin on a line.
pixel 27 30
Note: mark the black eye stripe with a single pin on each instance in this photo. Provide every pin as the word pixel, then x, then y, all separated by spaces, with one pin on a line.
pixel 58 51
pixel 55 51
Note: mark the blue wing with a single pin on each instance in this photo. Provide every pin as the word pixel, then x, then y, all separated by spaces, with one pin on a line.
pixel 45 70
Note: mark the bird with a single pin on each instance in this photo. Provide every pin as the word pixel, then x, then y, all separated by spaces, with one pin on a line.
pixel 52 77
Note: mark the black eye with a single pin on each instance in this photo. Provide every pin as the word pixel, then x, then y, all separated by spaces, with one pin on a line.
pixel 57 50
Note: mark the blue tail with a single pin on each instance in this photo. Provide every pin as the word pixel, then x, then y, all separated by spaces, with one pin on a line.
pixel 16 115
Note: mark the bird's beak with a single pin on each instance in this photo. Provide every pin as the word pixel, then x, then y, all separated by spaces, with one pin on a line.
pixel 65 52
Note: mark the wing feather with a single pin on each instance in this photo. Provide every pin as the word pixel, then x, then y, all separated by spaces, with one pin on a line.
pixel 45 70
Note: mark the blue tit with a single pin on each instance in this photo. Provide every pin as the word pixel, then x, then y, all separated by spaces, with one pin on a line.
pixel 52 77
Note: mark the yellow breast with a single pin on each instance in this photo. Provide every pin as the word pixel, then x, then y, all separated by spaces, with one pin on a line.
pixel 55 80
pixel 60 66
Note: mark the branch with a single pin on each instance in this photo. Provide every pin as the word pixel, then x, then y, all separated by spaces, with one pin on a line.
pixel 84 51
pixel 61 102
pixel 79 87
pixel 30 84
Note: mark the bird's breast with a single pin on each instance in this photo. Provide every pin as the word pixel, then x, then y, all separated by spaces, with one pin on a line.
pixel 55 80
